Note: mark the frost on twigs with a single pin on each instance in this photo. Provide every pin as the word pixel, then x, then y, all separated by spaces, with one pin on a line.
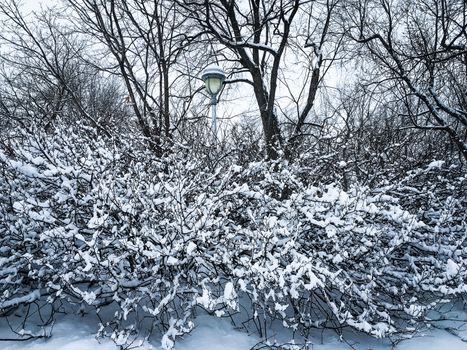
pixel 111 227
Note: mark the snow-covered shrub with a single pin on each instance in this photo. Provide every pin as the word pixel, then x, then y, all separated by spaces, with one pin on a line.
pixel 368 258
pixel 330 258
pixel 45 202
pixel 146 241
pixel 87 223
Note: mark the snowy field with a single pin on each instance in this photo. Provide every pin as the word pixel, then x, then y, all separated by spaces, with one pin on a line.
pixel 76 333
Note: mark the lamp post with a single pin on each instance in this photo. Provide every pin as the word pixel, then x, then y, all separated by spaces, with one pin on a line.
pixel 213 77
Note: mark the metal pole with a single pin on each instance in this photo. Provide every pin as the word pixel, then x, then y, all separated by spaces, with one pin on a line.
pixel 214 119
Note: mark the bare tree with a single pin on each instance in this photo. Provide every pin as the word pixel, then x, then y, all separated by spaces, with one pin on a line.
pixel 141 43
pixel 258 34
pixel 42 73
pixel 418 52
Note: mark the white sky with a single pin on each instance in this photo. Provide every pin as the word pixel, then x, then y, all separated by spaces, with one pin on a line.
pixel 34 5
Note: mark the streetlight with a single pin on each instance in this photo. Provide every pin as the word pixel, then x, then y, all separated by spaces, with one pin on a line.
pixel 213 77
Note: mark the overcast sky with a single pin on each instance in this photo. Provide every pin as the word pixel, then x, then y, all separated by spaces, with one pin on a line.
pixel 32 5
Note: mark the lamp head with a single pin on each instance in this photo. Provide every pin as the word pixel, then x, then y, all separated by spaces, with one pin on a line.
pixel 213 77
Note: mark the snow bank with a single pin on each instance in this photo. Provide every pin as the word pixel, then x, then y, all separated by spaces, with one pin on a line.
pixel 212 333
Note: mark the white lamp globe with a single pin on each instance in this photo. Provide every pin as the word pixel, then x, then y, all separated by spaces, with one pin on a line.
pixel 213 77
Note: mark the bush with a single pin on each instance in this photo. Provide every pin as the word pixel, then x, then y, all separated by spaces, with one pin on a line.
pixel 109 226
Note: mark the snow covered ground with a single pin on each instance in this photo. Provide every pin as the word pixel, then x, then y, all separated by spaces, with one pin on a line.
pixel 75 333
